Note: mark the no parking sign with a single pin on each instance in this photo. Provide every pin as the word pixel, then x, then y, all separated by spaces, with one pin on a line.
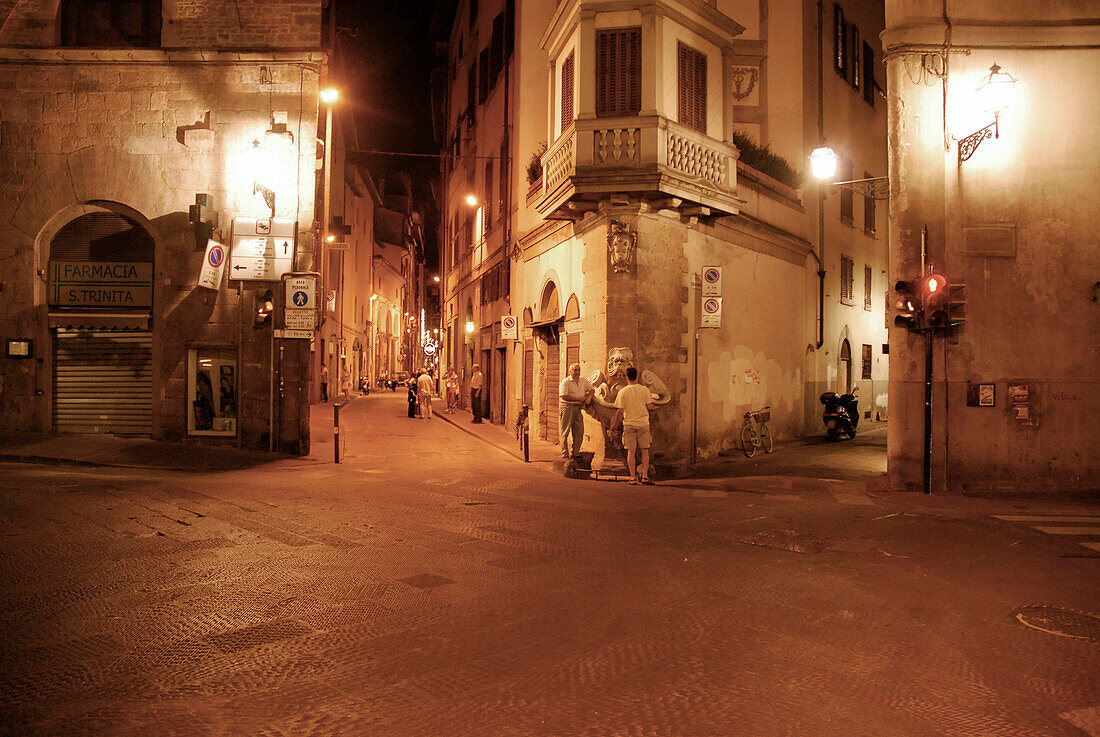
pixel 509 328
pixel 213 263
pixel 712 281
pixel 712 313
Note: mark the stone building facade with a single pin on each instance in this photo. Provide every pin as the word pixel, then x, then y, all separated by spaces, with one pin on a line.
pixel 608 146
pixel 128 141
pixel 1001 199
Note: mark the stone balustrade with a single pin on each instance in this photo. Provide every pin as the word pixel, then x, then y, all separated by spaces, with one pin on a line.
pixel 650 157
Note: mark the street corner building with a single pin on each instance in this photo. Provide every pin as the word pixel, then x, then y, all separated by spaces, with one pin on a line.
pixel 158 181
pixel 623 183
pixel 993 111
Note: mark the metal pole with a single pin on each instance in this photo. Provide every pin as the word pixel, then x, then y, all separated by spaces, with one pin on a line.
pixel 336 431
pixel 695 398
pixel 928 412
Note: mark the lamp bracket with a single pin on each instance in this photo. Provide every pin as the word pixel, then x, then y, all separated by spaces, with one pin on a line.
pixel 968 145
pixel 269 195
pixel 877 188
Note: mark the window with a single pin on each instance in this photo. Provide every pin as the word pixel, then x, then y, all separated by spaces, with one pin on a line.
pixel 847 197
pixel 867 287
pixel 488 198
pixel 868 211
pixel 840 41
pixel 618 72
pixel 855 70
pixel 869 84
pixel 846 277
pixel 866 361
pixel 483 75
pixel 496 48
pixel 692 73
pixel 111 23
pixel 567 92
pixel 212 391
pixel 501 180
pixel 471 92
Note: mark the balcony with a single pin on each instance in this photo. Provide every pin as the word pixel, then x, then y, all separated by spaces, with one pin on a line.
pixel 647 158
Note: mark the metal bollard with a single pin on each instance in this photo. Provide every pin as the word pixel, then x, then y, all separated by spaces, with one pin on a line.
pixel 336 431
pixel 526 445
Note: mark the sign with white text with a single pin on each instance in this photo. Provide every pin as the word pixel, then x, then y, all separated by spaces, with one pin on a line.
pixel 262 248
pixel 509 328
pixel 712 313
pixel 213 264
pixel 712 281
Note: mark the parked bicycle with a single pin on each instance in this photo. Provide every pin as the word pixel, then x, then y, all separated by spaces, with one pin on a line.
pixel 755 433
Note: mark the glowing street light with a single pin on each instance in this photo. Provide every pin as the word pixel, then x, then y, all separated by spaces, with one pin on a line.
pixel 471 200
pixel 823 162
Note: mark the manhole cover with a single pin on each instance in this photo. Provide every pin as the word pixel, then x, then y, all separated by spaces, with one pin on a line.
pixel 1063 622
pixel 796 542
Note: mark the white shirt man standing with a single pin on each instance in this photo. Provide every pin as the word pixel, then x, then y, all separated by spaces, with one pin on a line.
pixel 424 394
pixel 634 403
pixel 574 392
pixel 476 380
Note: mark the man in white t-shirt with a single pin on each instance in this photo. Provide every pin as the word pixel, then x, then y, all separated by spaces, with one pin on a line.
pixel 573 393
pixel 634 405
pixel 476 380
pixel 424 394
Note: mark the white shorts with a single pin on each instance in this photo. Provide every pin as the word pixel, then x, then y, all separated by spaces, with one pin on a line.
pixel 636 437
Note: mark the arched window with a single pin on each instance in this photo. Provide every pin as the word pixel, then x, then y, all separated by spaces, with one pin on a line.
pixel 110 23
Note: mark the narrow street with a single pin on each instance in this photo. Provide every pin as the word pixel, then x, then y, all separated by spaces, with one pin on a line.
pixel 431 584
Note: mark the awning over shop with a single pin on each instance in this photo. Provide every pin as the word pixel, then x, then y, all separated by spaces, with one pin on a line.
pixel 100 320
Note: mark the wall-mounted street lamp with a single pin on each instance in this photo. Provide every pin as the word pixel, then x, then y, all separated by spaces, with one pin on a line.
pixel 469 326
pixel 471 200
pixel 823 164
pixel 996 94
pixel 258 163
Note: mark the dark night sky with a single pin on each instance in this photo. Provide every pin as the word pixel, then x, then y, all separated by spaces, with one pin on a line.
pixel 385 72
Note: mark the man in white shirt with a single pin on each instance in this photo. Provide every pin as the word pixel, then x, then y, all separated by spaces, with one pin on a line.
pixel 573 393
pixel 634 404
pixel 424 394
pixel 476 380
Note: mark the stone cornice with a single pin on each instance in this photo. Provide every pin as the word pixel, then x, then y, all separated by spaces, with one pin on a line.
pixel 62 55
pixel 928 34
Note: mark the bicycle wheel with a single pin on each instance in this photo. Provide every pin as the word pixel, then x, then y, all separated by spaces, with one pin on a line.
pixel 748 440
pixel 766 437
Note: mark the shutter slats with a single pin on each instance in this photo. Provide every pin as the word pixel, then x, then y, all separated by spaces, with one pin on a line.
pixel 618 72
pixel 567 92
pixel 692 98
pixel 103 382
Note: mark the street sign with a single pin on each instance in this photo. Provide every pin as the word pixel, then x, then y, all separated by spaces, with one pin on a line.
pixel 301 292
pixel 712 313
pixel 300 319
pixel 336 245
pixel 330 300
pixel 262 248
pixel 429 349
pixel 294 334
pixel 213 264
pixel 712 281
pixel 509 328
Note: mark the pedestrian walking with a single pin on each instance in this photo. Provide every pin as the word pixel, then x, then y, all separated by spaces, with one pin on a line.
pixel 424 386
pixel 634 406
pixel 412 399
pixel 476 382
pixel 324 383
pixel 573 393
pixel 450 385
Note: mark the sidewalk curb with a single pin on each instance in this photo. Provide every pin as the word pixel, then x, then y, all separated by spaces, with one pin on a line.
pixel 506 448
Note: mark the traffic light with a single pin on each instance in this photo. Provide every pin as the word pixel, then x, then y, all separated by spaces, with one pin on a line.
pixel 263 306
pixel 956 305
pixel 936 295
pixel 907 304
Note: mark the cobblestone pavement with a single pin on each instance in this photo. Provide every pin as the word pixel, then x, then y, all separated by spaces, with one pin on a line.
pixel 433 585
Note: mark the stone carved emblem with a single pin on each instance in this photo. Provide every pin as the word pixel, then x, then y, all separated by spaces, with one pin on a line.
pixel 608 384
pixel 744 80
pixel 622 242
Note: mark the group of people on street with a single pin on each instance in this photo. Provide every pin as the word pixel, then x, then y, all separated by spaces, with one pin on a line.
pixel 633 405
pixel 422 388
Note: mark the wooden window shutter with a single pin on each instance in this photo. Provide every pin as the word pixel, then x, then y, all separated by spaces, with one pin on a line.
pixel 867 287
pixel 618 72
pixel 496 46
pixel 855 69
pixel 840 40
pixel 692 73
pixel 846 278
pixel 483 75
pixel 869 83
pixel 567 92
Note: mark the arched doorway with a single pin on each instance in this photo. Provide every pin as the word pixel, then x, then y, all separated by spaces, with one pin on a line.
pixel 100 298
pixel 845 367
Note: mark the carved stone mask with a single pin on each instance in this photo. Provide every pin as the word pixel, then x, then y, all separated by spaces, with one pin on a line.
pixel 618 361
pixel 621 243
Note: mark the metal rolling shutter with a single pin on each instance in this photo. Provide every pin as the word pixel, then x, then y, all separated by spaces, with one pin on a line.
pixel 103 381
pixel 529 373
pixel 553 378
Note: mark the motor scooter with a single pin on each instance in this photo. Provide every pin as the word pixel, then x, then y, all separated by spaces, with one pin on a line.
pixel 841 415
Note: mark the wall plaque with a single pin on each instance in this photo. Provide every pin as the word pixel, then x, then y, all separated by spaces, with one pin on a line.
pixel 989 240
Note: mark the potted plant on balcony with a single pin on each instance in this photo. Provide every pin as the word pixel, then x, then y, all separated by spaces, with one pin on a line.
pixel 534 170
pixel 766 161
